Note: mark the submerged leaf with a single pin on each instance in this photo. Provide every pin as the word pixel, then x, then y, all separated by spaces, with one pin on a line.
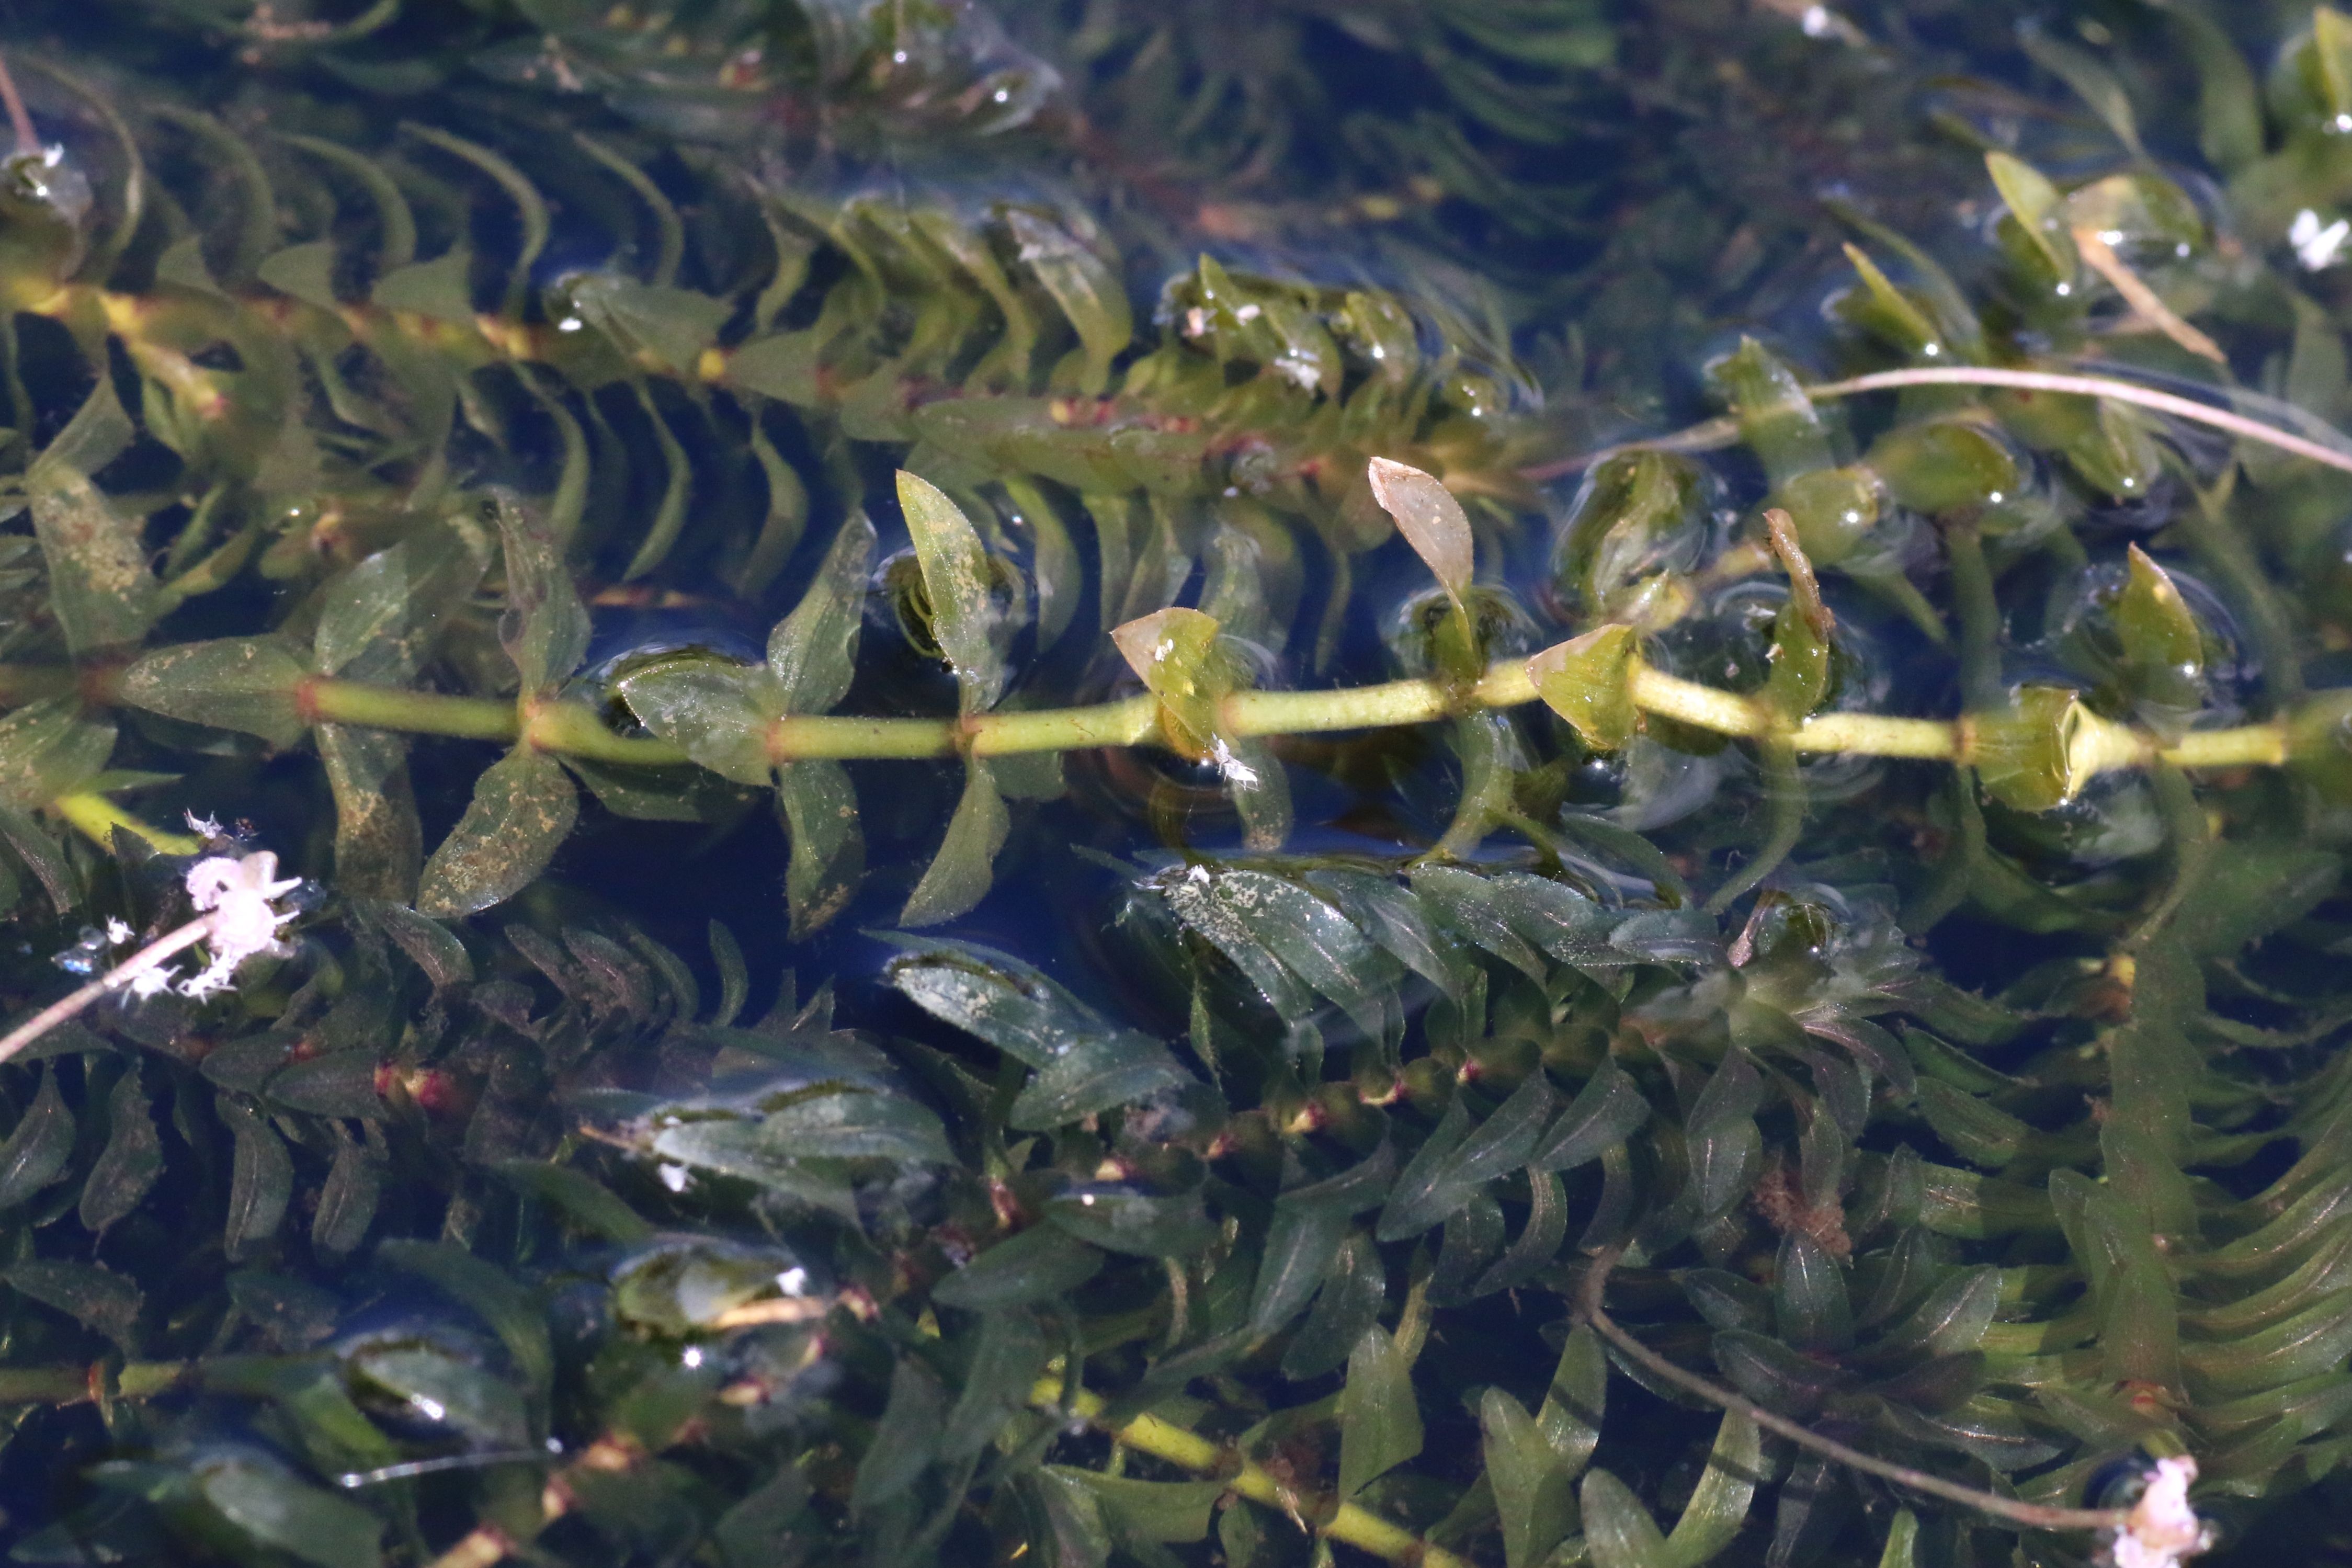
pixel 522 810
pixel 960 874
pixel 1379 1421
pixel 966 619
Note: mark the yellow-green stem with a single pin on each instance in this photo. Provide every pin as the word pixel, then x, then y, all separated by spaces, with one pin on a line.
pixel 1164 1440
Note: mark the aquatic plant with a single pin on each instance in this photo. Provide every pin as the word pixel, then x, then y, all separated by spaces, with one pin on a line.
pixel 1761 991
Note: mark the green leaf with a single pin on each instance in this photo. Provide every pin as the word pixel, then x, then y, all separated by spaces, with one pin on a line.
pixel 1141 1225
pixel 1810 1307
pixel 1038 1265
pixel 1606 1111
pixel 1379 1422
pixel 522 810
pixel 671 327
pixel 2230 114
pixel 1776 418
pixel 960 874
pixel 251 684
pixel 819 807
pixel 1075 1535
pixel 1443 1174
pixel 545 628
pixel 442 287
pixel 1299 1246
pixel 1902 1541
pixel 1712 1518
pixel 2091 80
pixel 1149 1510
pixel 584 1201
pixel 1354 1289
pixel 1618 1530
pixel 99 432
pixel 1290 944
pixel 50 748
pixel 960 584
pixel 379 841
pixel 2038 210
pixel 1088 291
pixel 1006 1362
pixel 377 622
pixel 261 1179
pixel 34 844
pixel 1534 1494
pixel 1173 652
pixel 814 651
pixel 716 712
pixel 274 1510
pixel 1800 655
pixel 2162 645
pixel 38 1146
pixel 1570 1415
pixel 339 1083
pixel 1587 681
pixel 1095 1074
pixel 133 1157
pixel 468 1400
pixel 99 1298
pixel 851 1121
pixel 737 1149
pixel 2026 755
pixel 1939 466
pixel 305 273
pixel 347 1198
pixel 906 1440
pixel 509 1309
pixel 101 588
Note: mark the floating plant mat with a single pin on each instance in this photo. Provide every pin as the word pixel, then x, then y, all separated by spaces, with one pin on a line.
pixel 845 782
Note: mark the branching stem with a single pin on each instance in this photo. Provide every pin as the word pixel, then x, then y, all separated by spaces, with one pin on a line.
pixel 2032 1516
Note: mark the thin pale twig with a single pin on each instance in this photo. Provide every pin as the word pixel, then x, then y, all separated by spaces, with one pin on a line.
pixel 2142 298
pixel 1718 433
pixel 20 119
pixel 154 954
pixel 2034 1516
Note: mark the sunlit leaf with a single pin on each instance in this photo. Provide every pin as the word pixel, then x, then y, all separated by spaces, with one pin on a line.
pixel 1710 1522
pixel 1533 1491
pixel 1431 521
pixel 966 619
pixel 1618 1530
pixel 813 650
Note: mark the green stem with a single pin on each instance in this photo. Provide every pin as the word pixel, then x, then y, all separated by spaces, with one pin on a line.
pixel 578 730
pixel 1164 1440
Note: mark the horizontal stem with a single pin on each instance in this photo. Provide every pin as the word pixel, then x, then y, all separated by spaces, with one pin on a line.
pixel 577 729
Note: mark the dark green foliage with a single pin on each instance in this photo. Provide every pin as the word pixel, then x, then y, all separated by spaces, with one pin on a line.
pixel 1219 1188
